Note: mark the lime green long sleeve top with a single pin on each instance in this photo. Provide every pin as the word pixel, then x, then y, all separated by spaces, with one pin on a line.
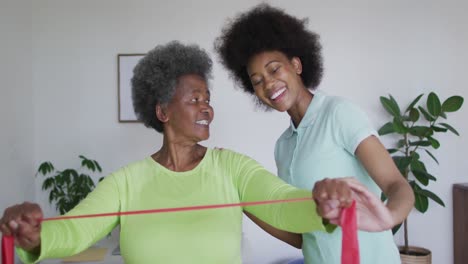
pixel 204 236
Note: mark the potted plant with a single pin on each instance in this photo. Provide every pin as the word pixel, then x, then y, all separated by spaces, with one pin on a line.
pixel 416 131
pixel 68 187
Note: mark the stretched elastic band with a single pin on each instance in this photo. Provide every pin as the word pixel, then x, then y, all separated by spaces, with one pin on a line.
pixel 349 240
pixel 8 242
pixel 178 209
pixel 349 250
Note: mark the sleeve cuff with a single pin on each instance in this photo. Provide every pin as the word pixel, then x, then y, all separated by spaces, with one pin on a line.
pixel 329 228
pixel 27 257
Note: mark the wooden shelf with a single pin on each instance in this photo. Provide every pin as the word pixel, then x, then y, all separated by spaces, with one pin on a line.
pixel 460 223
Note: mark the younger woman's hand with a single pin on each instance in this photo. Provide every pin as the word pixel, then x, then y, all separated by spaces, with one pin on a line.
pixel 333 195
pixel 372 214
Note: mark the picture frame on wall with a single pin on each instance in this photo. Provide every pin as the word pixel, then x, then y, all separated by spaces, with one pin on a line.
pixel 125 65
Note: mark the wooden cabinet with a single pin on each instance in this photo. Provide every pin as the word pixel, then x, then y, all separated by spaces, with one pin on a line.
pixel 460 223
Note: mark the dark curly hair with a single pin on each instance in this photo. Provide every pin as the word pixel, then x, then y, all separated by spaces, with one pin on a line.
pixel 265 28
pixel 155 77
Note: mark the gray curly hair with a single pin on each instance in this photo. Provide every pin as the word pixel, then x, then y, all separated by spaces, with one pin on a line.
pixel 155 77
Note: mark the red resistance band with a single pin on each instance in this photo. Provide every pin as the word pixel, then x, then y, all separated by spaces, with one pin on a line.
pixel 8 250
pixel 349 239
pixel 8 241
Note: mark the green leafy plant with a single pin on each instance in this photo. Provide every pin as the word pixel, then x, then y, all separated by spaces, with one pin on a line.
pixel 68 187
pixel 416 130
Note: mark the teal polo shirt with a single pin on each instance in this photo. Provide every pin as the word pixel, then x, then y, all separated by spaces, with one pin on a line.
pixel 323 146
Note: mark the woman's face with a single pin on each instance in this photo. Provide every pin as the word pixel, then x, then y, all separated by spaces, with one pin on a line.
pixel 276 79
pixel 189 112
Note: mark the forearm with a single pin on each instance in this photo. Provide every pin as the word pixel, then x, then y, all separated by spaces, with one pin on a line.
pixel 255 183
pixel 60 238
pixel 400 200
pixel 296 217
pixel 292 239
pixel 384 172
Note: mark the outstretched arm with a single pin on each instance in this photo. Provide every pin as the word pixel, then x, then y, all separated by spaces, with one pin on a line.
pixel 22 221
pixel 38 240
pixel 331 196
pixel 328 189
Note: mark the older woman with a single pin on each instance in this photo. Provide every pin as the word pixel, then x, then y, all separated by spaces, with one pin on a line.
pixel 171 95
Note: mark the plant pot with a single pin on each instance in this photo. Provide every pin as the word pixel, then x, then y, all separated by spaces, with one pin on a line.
pixel 417 255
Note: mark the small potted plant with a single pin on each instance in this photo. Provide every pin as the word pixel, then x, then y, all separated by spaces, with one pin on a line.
pixel 68 187
pixel 415 132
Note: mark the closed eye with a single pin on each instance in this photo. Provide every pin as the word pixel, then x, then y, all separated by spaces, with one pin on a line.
pixel 276 69
pixel 257 82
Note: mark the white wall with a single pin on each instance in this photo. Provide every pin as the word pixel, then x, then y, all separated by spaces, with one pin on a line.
pixel 371 48
pixel 16 104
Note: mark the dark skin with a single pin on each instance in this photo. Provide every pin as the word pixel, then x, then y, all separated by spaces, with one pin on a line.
pixel 23 222
pixel 277 82
pixel 186 119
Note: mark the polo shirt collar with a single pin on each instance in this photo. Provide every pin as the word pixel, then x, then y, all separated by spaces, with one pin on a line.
pixel 310 115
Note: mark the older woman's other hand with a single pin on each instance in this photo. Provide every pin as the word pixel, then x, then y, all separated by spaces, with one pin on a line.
pixel 23 222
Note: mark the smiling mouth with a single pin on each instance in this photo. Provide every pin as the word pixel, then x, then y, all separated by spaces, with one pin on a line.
pixel 278 93
pixel 203 122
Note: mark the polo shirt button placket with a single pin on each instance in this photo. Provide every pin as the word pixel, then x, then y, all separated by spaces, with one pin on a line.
pixel 293 159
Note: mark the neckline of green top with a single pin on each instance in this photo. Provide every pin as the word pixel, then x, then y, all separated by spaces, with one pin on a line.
pixel 182 173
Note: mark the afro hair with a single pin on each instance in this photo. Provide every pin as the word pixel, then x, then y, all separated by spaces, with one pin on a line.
pixel 155 77
pixel 265 28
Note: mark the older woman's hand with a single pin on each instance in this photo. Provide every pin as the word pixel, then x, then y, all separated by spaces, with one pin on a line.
pixel 332 195
pixel 23 222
